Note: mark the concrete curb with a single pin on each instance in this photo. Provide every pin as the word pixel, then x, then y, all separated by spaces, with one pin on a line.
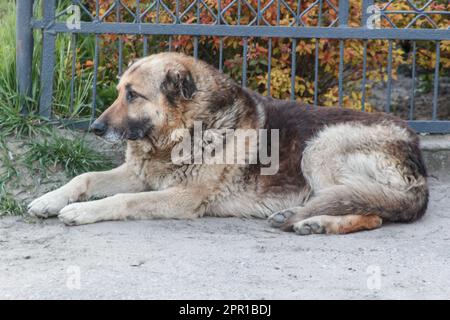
pixel 436 153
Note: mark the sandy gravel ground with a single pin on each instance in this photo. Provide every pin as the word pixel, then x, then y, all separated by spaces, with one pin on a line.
pixel 225 258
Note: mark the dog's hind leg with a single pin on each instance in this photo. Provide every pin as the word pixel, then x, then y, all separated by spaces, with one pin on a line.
pixel 323 203
pixel 370 201
pixel 327 213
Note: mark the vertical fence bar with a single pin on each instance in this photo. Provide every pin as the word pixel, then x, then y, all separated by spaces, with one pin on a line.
pixel 258 12
pixel 363 84
pixel 158 8
pixel 196 37
pixel 364 18
pixel 293 67
pixel 343 23
pixel 294 54
pixel 413 79
pixel 221 54
pixel 278 12
pixel 319 22
pixel 316 72
pixel 24 51
pixel 341 72
pixel 239 12
pixel 48 58
pixel 244 50
pixel 120 44
pixel 145 51
pixel 138 19
pixel 72 78
pixel 244 63
pixel 343 13
pixel 436 80
pixel 316 59
pixel 269 66
pixel 96 55
pixel 219 21
pixel 278 23
pixel 389 83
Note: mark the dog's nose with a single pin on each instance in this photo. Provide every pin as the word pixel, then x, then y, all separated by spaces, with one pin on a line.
pixel 99 127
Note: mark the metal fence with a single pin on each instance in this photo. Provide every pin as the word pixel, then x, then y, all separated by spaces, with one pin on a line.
pixel 220 25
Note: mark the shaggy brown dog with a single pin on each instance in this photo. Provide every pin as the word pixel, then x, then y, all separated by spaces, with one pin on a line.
pixel 338 170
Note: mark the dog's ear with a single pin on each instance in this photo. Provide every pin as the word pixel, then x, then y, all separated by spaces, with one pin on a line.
pixel 178 84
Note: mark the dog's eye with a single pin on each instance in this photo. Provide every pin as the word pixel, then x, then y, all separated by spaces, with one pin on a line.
pixel 131 95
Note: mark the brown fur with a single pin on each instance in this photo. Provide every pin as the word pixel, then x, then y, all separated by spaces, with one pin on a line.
pixel 351 166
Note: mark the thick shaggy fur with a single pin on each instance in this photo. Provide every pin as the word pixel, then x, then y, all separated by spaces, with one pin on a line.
pixel 340 170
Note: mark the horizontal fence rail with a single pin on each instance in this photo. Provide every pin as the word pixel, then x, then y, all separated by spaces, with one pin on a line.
pixel 246 20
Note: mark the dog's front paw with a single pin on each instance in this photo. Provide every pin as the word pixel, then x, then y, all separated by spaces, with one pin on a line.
pixel 79 213
pixel 48 205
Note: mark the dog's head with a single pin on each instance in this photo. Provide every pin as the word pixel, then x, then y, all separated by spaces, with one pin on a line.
pixel 154 96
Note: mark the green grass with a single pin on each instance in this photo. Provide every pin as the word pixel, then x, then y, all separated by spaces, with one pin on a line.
pixel 83 80
pixel 10 206
pixel 11 120
pixel 74 156
pixel 10 100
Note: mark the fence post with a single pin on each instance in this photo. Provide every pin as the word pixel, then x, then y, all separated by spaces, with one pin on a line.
pixel 48 58
pixel 343 13
pixel 24 51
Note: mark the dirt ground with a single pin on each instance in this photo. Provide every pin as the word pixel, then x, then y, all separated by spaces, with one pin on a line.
pixel 225 258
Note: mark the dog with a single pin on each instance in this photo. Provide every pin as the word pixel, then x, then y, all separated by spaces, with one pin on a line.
pixel 339 170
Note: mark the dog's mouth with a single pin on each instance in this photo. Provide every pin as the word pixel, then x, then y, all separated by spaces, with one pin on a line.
pixel 114 135
pixel 135 135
